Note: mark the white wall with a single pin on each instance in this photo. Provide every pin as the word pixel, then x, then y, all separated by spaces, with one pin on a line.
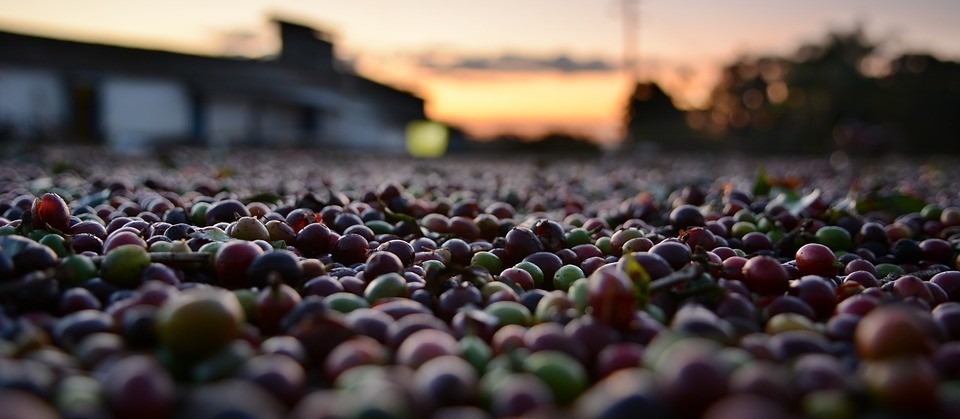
pixel 235 120
pixel 279 124
pixel 31 100
pixel 228 120
pixel 136 111
pixel 357 124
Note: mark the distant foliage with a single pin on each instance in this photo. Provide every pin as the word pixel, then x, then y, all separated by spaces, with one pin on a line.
pixel 835 95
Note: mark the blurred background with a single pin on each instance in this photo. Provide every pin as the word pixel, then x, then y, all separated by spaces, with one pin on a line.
pixel 858 76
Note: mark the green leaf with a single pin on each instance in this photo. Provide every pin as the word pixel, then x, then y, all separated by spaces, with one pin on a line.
pixel 846 205
pixel 394 217
pixel 805 202
pixel 278 244
pixel 761 186
pixel 895 203
pixel 793 202
pixel 640 279
pixel 213 234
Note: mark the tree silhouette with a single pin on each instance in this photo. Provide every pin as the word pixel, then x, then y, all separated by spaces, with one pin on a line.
pixel 921 100
pixel 821 99
pixel 652 118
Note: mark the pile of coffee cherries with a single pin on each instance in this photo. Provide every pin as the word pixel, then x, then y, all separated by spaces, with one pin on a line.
pixel 306 285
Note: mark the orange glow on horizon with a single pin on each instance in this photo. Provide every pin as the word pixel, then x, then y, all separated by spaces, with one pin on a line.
pixel 529 104
pixel 682 46
pixel 537 97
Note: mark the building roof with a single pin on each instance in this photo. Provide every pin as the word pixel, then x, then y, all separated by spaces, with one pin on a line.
pixel 270 78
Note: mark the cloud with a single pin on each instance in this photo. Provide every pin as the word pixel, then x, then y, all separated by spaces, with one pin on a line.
pixel 516 63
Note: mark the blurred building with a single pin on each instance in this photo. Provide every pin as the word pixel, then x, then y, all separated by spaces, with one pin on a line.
pixel 59 90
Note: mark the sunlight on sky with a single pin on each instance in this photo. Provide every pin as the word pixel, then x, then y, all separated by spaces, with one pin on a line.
pixel 531 65
pixel 508 102
pixel 537 96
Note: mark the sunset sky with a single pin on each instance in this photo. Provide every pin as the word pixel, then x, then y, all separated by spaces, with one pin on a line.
pixel 524 66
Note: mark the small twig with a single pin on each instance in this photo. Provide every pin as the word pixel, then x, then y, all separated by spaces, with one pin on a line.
pixel 926 274
pixel 787 240
pixel 685 274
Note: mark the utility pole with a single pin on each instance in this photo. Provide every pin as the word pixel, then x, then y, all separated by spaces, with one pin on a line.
pixel 630 10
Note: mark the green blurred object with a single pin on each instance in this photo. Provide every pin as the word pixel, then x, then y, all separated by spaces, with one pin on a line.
pixel 836 238
pixel 488 261
pixel 384 286
pixel 426 139
pixel 56 243
pixel 534 271
pixel 123 266
pixel 510 312
pixel 345 302
pixel 75 270
pixel 577 236
pixel 566 275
